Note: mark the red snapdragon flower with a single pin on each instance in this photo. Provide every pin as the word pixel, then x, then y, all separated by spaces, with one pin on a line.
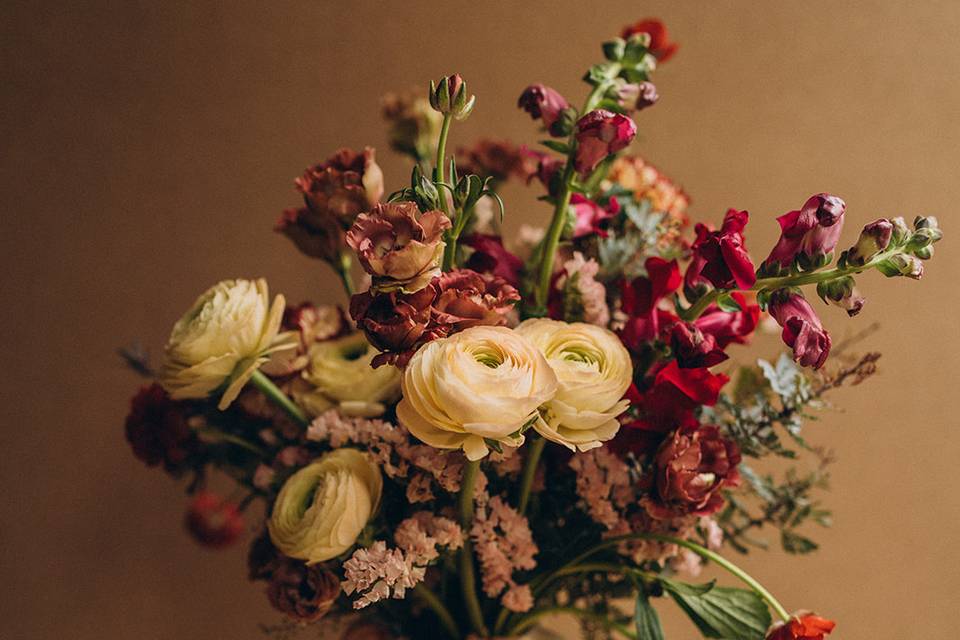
pixel 729 327
pixel 546 104
pixel 590 216
pixel 720 257
pixel 802 329
pixel 213 521
pixel 599 134
pixel 694 349
pixel 640 298
pixel 660 45
pixel 802 625
pixel 157 429
pixel 811 232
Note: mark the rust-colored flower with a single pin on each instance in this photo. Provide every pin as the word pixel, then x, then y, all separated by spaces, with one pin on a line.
pixel 396 323
pixel 802 625
pixel 304 593
pixel 213 521
pixel 497 159
pixel 691 467
pixel 399 246
pixel 660 45
pixel 315 235
pixel 468 299
pixel 345 185
pixel 157 429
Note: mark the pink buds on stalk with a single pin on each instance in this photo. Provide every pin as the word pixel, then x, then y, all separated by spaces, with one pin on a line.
pixel 599 134
pixel 547 105
pixel 874 238
pixel 843 293
pixel 802 329
pixel 450 97
pixel 808 236
pixel 637 96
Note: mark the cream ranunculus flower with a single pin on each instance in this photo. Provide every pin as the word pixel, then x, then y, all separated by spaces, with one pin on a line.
pixel 594 370
pixel 323 507
pixel 341 376
pixel 482 383
pixel 225 336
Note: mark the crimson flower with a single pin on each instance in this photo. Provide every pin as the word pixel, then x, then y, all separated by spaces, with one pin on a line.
pixel 810 233
pixel 490 256
pixel 660 45
pixel 639 299
pixel 720 257
pixel 546 104
pixel 157 429
pixel 212 521
pixel 590 216
pixel 729 327
pixel 599 134
pixel 694 349
pixel 802 625
pixel 802 329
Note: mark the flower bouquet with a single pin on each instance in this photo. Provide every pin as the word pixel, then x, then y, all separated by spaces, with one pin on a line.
pixel 499 431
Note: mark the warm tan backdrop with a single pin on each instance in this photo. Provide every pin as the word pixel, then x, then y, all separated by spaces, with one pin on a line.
pixel 148 146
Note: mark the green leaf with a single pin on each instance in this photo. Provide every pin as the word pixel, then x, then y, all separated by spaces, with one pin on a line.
pixel 721 612
pixel 556 145
pixel 795 543
pixel 727 303
pixel 646 620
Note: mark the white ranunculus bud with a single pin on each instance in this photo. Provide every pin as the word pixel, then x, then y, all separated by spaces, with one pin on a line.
pixel 484 383
pixel 323 508
pixel 341 375
pixel 225 336
pixel 594 370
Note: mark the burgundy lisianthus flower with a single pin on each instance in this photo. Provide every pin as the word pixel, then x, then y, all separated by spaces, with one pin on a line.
pixel 468 299
pixel 590 217
pixel 213 521
pixel 802 625
pixel 399 246
pixel 694 349
pixel 546 104
pixel 810 233
pixel 729 327
pixel 490 256
pixel 802 329
pixel 497 159
pixel 315 235
pixel 157 429
pixel 397 323
pixel 720 257
pixel 660 45
pixel 599 134
pixel 639 299
pixel 691 467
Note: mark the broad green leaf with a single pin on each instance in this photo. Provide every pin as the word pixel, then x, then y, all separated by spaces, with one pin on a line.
pixel 721 612
pixel 646 620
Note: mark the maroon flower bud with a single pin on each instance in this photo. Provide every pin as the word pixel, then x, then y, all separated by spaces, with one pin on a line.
pixel 157 429
pixel 589 217
pixel 316 235
pixel 874 238
pixel 691 468
pixel 660 45
pixel 398 246
pixel 212 521
pixel 694 349
pixel 304 593
pixel 396 323
pixel 543 103
pixel 637 96
pixel 802 330
pixel 599 134
pixel 720 257
pixel 468 299
pixel 843 293
pixel 809 234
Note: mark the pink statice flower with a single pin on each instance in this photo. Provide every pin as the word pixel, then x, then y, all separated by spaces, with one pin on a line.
pixel 504 545
pixel 377 573
pixel 421 535
pixel 579 274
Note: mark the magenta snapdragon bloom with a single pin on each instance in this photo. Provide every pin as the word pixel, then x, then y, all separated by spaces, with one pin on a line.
pixel 590 216
pixel 600 133
pixel 544 103
pixel 802 330
pixel 812 232
pixel 720 257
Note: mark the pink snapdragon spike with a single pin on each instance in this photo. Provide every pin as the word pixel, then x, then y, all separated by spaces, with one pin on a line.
pixel 637 96
pixel 811 233
pixel 599 134
pixel 720 257
pixel 802 329
pixel 590 216
pixel 545 104
pixel 874 238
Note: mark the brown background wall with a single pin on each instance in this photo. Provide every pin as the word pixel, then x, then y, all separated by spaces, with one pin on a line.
pixel 148 146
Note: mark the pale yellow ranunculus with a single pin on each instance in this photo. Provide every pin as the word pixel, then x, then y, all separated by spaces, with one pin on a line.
pixel 340 374
pixel 225 336
pixel 322 508
pixel 594 370
pixel 482 383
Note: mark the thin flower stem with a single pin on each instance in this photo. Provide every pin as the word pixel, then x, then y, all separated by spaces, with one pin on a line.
pixel 468 579
pixel 343 270
pixel 223 436
pixel 703 552
pixel 279 398
pixel 532 619
pixel 436 605
pixel 534 452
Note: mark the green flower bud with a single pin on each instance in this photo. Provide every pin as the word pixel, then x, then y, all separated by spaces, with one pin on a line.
pixel 843 293
pixel 900 231
pixel 449 97
pixel 901 264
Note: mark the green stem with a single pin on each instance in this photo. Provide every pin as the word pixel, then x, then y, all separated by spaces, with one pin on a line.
pixel 279 398
pixel 534 452
pixel 532 619
pixel 343 270
pixel 222 436
pixel 468 580
pixel 436 605
pixel 703 552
